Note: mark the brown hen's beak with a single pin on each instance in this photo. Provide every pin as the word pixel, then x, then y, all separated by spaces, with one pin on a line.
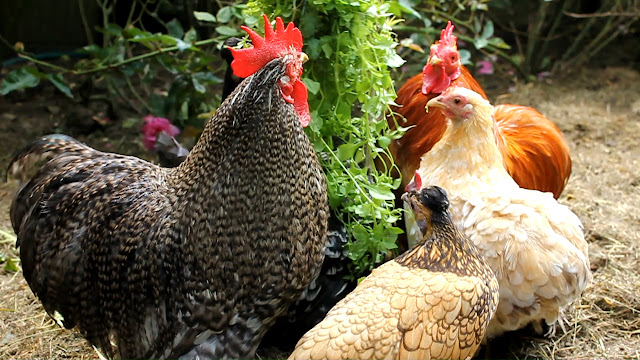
pixel 436 102
pixel 303 57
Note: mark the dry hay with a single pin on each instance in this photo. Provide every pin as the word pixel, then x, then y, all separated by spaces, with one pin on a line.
pixel 599 113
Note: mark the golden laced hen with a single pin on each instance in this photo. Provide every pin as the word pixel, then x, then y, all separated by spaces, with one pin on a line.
pixel 535 246
pixel 432 302
pixel 193 262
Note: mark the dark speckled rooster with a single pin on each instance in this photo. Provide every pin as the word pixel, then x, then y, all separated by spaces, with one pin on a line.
pixel 192 262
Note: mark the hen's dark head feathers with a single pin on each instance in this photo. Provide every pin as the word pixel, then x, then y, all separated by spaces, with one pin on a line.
pixel 435 198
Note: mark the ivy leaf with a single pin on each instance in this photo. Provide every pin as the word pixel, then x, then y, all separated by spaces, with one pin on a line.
pixel 19 79
pixel 204 16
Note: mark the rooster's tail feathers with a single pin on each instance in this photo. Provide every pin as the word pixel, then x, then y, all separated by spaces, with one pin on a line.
pixel 26 162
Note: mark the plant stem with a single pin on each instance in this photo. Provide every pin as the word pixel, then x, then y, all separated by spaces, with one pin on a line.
pixel 135 93
pixel 85 23
pixel 552 30
pixel 534 35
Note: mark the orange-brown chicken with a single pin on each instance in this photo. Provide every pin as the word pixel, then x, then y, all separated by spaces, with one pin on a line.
pixel 434 301
pixel 534 150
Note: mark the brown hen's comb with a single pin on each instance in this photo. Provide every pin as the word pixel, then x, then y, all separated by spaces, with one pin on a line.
pixel 446 36
pixel 415 184
pixel 274 44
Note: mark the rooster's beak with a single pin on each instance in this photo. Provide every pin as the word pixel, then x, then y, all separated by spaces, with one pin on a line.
pixel 434 60
pixel 303 57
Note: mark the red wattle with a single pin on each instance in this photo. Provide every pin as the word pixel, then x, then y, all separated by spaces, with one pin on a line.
pixel 300 103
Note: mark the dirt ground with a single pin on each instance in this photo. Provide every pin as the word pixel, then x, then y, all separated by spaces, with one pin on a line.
pixel 597 109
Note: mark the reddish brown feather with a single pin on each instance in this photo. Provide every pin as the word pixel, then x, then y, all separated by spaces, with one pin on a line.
pixel 534 150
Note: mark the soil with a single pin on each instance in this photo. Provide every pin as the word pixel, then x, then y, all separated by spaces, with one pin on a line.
pixel 598 110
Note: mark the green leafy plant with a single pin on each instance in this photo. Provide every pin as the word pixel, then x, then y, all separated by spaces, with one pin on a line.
pixel 9 260
pixel 351 47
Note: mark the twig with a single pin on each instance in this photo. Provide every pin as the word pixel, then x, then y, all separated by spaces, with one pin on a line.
pixel 604 14
pixel 112 66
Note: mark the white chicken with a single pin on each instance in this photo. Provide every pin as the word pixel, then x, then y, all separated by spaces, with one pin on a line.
pixel 535 245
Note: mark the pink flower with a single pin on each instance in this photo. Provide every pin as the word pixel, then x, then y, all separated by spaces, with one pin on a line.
pixel 152 127
pixel 485 67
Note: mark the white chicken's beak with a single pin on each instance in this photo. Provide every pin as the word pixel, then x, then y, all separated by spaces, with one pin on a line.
pixel 436 102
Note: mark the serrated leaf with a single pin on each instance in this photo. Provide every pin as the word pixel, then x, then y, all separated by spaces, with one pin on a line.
pixel 224 15
pixel 346 151
pixel 480 43
pixel 312 86
pixel 10 265
pixel 190 36
pixel 19 79
pixel 465 56
pixel 182 46
pixel 395 61
pixel 227 31
pixel 130 122
pixel 384 141
pixel 174 28
pixel 499 43
pixel 204 16
pixel 380 193
pixel 488 30
pixel 58 81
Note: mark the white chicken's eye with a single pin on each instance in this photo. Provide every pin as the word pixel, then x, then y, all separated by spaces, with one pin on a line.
pixel 457 101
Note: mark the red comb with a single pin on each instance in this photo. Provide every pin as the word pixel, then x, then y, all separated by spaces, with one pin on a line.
pixel 274 44
pixel 415 184
pixel 446 36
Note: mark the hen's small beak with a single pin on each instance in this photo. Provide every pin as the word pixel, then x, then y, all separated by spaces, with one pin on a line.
pixel 434 60
pixel 436 102
pixel 303 57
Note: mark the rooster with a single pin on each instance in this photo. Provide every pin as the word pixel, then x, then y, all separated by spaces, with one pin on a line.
pixel 534 150
pixel 192 262
pixel 535 246
pixel 434 301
